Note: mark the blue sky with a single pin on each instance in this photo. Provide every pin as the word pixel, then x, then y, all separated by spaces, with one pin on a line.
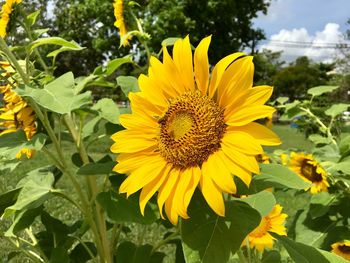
pixel 316 21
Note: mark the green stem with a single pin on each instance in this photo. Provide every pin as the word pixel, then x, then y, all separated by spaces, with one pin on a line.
pixel 68 198
pixel 242 258
pixel 93 191
pixel 163 242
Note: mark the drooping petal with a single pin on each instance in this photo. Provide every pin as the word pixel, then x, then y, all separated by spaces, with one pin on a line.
pixel 247 114
pixel 201 65
pixel 167 188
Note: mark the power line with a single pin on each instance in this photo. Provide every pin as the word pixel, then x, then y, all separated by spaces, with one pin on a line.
pixel 304 44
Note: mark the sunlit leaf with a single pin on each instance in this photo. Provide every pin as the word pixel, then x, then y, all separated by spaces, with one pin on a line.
pixel 319 90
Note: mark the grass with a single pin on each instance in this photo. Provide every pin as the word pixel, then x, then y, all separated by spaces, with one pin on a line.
pixel 59 208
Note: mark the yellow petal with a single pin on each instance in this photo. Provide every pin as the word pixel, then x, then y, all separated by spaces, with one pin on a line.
pixel 212 194
pixel 201 65
pixel 260 133
pixel 196 175
pixel 151 89
pixel 219 70
pixel 236 79
pixel 182 55
pixel 142 176
pixel 170 207
pixel 242 141
pixel 216 169
pixel 142 106
pixel 133 121
pixel 237 170
pixel 167 188
pixel 128 162
pixel 149 189
pixel 258 95
pixel 246 115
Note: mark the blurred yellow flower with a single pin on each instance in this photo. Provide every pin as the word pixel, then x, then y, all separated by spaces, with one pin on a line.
pixel 188 129
pixel 6 11
pixel 310 171
pixel 342 249
pixel 15 113
pixel 260 237
pixel 263 158
pixel 119 22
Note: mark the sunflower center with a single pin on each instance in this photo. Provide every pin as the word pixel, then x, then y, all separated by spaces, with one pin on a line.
pixel 309 171
pixel 344 248
pixel 191 130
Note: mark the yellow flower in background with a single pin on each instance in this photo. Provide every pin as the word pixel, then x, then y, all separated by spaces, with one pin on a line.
pixel 342 249
pixel 260 238
pixel 263 158
pixel 188 129
pixel 15 113
pixel 119 22
pixel 269 121
pixel 6 11
pixel 310 171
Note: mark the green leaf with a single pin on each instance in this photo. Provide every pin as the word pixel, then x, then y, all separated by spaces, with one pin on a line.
pixel 12 143
pixel 59 95
pixel 90 127
pixel 170 41
pixel 108 110
pixel 53 41
pixel 318 139
pixel 336 109
pixel 80 253
pixel 277 175
pixel 56 52
pixel 302 253
pixel 114 64
pixel 128 84
pixel 8 198
pixel 96 168
pixel 128 252
pixel 319 90
pixel 31 18
pixel 120 209
pixel 344 146
pixel 22 220
pixel 343 167
pixel 271 256
pixel 320 204
pixel 35 191
pixel 209 238
pixel 263 202
pixel 282 100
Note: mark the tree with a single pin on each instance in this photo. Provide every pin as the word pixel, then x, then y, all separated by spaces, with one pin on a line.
pixel 294 80
pixel 266 63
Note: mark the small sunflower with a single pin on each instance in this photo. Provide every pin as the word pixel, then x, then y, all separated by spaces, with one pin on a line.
pixel 263 158
pixel 342 249
pixel 310 171
pixel 260 237
pixel 15 113
pixel 188 129
pixel 6 11
pixel 119 22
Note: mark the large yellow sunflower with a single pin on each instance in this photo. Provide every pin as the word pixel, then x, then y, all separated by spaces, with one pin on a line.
pixel 342 249
pixel 310 171
pixel 189 128
pixel 260 238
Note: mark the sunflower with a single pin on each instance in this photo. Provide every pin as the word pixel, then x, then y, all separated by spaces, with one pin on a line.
pixel 6 11
pixel 263 158
pixel 260 237
pixel 342 249
pixel 119 22
pixel 310 171
pixel 187 129
pixel 15 113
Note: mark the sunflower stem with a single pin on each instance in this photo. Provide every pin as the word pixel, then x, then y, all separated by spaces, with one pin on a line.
pixel 242 258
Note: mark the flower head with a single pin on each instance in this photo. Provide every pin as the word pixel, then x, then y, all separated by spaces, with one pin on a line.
pixel 342 249
pixel 310 171
pixel 188 129
pixel 15 113
pixel 6 11
pixel 119 22
pixel 260 237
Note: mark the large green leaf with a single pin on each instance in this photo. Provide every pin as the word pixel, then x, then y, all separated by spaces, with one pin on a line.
pixel 344 145
pixel 209 238
pixel 277 175
pixel 320 204
pixel 8 198
pixel 120 209
pixel 12 143
pixel 59 95
pixel 53 41
pixel 128 252
pixel 108 110
pixel 114 64
pixel 35 191
pixel 263 202
pixel 337 109
pixel 128 84
pixel 302 253
pixel 319 90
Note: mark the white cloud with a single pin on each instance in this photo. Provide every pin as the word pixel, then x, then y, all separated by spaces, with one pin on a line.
pixel 298 42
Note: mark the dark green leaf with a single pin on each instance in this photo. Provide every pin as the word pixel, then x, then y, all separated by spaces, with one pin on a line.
pixel 59 255
pixel 128 252
pixel 96 168
pixel 320 204
pixel 120 209
pixel 83 252
pixel 8 198
pixel 271 256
